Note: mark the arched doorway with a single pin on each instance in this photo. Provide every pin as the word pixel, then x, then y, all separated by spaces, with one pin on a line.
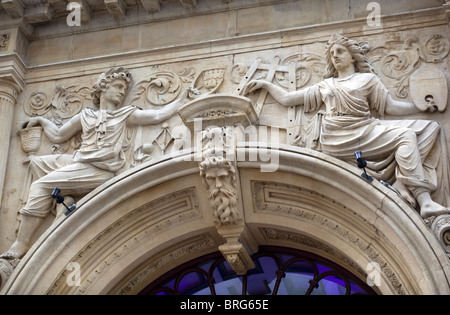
pixel 156 217
pixel 279 271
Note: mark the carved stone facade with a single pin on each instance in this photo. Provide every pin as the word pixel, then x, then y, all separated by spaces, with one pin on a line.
pixel 207 131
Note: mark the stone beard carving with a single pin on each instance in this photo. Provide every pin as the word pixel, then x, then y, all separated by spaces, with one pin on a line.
pixel 410 153
pixel 219 176
pixel 104 151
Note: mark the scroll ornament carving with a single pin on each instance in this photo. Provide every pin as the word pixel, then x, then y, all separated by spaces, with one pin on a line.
pixel 66 103
pixel 401 64
pixel 163 87
pixel 158 89
pixel 441 229
pixel 308 67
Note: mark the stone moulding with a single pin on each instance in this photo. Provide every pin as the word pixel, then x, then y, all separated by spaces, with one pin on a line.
pixel 300 204
pixel 412 260
pixel 145 222
pixel 214 107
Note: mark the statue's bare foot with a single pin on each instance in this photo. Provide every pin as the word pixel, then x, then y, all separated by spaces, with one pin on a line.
pixel 404 191
pixel 17 251
pixel 432 208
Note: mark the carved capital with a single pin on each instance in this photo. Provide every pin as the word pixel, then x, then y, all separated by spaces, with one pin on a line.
pixel 9 91
pixel 12 71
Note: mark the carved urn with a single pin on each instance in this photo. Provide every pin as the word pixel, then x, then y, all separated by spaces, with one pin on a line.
pixel 30 139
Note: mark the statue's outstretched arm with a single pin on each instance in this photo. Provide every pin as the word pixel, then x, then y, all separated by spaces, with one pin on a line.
pixel 153 117
pixel 398 108
pixel 281 96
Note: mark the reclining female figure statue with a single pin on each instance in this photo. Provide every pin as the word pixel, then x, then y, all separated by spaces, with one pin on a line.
pixel 351 91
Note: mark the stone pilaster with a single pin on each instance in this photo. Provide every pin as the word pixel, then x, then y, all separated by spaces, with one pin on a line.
pixel 8 98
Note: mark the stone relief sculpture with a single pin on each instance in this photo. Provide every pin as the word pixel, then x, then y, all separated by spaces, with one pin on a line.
pixel 344 108
pixel 219 175
pixel 416 149
pixel 401 64
pixel 101 156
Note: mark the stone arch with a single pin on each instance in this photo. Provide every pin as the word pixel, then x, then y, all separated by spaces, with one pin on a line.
pixel 155 217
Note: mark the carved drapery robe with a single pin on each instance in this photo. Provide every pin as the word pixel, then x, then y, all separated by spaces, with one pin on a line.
pixel 349 125
pixel 105 140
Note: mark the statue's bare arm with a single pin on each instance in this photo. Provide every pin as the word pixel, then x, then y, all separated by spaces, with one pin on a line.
pixel 55 134
pixel 294 98
pixel 153 117
pixel 398 108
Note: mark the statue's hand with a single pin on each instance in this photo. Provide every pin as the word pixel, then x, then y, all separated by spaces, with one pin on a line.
pixel 431 105
pixel 432 108
pixel 32 122
pixel 192 93
pixel 252 86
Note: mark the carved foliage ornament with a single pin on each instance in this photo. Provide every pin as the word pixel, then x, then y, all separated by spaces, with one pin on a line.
pixel 162 88
pixel 66 103
pixel 400 64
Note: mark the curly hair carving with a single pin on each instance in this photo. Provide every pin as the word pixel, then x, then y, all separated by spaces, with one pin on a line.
pixel 358 51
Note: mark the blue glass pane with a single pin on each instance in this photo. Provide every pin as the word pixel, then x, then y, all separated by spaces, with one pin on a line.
pixel 295 284
pixel 282 273
pixel 226 280
pixel 356 289
pixel 323 268
pixel 262 279
pixel 330 285
pixel 192 282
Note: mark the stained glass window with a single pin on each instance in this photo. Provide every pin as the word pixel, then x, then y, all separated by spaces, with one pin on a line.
pixel 278 271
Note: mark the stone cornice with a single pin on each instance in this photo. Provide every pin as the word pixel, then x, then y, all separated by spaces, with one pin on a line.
pixel 239 44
